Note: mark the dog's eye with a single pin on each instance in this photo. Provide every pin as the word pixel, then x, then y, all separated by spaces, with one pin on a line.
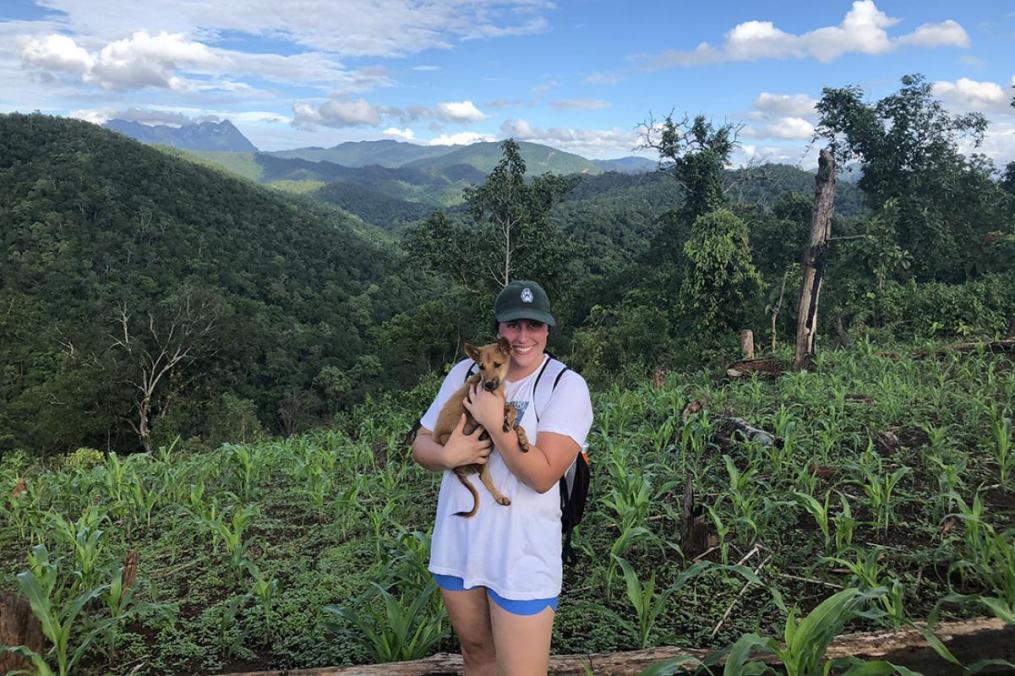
pixel 496 365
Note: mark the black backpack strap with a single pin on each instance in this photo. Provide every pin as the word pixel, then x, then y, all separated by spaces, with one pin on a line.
pixel 556 380
pixel 469 373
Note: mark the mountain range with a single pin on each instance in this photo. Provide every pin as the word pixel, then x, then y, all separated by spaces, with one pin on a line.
pixel 198 136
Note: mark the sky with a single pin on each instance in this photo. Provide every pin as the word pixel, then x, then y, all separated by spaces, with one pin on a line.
pixel 579 75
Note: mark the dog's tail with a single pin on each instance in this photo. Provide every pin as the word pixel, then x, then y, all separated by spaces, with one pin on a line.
pixel 475 498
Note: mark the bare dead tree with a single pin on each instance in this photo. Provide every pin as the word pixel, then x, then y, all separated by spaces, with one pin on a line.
pixel 158 350
pixel 814 258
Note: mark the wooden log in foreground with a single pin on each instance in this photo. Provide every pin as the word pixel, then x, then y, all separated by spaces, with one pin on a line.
pixel 969 641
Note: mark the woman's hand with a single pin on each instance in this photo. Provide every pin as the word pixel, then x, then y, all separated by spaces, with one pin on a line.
pixel 466 449
pixel 486 407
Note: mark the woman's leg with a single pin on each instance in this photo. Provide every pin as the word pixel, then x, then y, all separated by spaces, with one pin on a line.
pixel 469 611
pixel 523 641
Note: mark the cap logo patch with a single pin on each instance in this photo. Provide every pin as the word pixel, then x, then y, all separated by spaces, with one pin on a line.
pixel 527 295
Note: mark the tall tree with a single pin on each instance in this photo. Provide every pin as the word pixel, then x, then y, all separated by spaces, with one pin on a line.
pixel 695 153
pixel 510 233
pixel 908 148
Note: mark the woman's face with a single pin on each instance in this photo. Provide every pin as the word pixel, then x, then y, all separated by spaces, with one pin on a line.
pixel 528 342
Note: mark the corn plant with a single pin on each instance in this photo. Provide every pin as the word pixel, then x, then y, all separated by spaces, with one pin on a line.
pixel 57 619
pixel 1000 427
pixel 231 534
pixel 879 487
pixel 844 524
pixel 317 486
pixel 820 512
pixel 86 540
pixel 801 652
pixel 743 496
pixel 142 498
pixel 396 629
pixel 245 465
pixel 115 479
pixel 646 601
pixel 630 532
pixel 722 529
pixel 264 589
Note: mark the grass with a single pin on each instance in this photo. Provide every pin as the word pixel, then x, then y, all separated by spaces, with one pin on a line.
pixel 311 551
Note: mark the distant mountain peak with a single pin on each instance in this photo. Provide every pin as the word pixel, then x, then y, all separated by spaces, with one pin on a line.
pixel 220 136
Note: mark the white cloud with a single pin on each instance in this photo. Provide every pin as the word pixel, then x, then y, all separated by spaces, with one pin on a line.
pixel 606 78
pixel 545 87
pixel 460 139
pixel 337 113
pixel 142 60
pixel 579 104
pixel 346 28
pixel 595 143
pixel 401 134
pixel 426 69
pixel 947 33
pixel 862 30
pixel 797 105
pixel 969 95
pixel 782 128
pixel 998 143
pixel 56 53
pixel 459 111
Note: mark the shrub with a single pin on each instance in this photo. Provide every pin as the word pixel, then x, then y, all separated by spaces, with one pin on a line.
pixel 84 459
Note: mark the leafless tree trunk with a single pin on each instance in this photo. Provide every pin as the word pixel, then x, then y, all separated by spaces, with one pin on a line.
pixel 157 352
pixel 778 307
pixel 814 258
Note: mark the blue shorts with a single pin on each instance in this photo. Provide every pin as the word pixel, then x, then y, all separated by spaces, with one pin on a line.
pixel 532 607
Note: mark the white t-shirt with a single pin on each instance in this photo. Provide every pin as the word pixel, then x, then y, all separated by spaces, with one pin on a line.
pixel 513 550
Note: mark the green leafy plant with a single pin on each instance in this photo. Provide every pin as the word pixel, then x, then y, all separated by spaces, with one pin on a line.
pixel 396 629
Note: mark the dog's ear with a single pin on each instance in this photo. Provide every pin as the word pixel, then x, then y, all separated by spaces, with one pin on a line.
pixel 504 344
pixel 472 351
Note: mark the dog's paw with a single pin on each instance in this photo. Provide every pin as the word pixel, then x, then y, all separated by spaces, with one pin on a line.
pixel 504 501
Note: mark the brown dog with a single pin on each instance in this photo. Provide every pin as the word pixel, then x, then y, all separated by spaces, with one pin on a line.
pixel 493 361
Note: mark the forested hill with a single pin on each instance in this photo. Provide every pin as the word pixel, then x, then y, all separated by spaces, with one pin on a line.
pixel 261 293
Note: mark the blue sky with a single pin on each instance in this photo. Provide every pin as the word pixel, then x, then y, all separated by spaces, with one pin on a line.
pixel 578 75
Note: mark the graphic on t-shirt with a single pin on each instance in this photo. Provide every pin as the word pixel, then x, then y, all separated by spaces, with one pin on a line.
pixel 520 406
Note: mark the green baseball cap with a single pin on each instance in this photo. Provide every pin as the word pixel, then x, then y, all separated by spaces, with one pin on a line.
pixel 523 300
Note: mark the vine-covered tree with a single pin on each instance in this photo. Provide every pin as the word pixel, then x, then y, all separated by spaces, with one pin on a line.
pixel 720 285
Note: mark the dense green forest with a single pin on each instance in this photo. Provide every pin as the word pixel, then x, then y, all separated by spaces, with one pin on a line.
pixel 144 296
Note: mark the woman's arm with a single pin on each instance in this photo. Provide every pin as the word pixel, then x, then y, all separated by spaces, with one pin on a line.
pixel 460 449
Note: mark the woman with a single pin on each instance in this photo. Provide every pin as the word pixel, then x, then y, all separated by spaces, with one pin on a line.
pixel 500 571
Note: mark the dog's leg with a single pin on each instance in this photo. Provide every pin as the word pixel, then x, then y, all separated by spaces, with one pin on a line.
pixel 475 496
pixel 484 476
pixel 510 417
pixel 523 439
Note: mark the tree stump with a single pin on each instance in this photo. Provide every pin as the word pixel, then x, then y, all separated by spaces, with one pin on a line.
pixel 18 626
pixel 747 343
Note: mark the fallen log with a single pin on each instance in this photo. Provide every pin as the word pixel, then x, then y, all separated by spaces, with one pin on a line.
pixel 969 641
pixel 764 368
pixel 1007 345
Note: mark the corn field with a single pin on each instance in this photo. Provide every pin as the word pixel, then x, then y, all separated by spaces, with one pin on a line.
pixel 881 494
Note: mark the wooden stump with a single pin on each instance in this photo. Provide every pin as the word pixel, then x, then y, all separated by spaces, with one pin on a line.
pixel 747 343
pixel 18 627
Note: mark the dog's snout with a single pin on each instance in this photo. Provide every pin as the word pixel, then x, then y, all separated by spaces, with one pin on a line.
pixel 490 385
